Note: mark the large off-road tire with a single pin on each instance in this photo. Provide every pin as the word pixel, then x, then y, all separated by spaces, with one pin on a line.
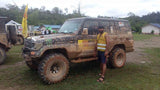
pixel 53 68
pixel 2 55
pixel 32 65
pixel 20 40
pixel 117 58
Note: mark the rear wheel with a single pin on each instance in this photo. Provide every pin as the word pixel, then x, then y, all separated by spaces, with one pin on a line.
pixel 2 55
pixel 20 40
pixel 53 68
pixel 117 58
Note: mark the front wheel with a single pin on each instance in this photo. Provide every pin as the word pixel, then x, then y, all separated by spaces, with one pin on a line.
pixel 53 68
pixel 118 58
pixel 2 55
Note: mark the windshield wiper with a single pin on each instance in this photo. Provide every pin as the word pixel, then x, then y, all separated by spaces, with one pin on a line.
pixel 61 32
pixel 66 32
pixel 70 32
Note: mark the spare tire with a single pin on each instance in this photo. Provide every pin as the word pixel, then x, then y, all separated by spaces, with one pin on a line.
pixel 12 34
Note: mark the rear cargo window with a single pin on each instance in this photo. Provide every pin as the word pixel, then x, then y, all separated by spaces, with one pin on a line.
pixel 124 27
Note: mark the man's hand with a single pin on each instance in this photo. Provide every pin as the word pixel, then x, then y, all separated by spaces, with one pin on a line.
pixel 106 54
pixel 95 54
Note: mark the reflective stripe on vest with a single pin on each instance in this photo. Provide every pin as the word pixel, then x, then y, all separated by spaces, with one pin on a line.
pixel 100 48
pixel 101 42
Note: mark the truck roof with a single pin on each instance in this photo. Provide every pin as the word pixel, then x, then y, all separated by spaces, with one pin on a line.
pixel 91 18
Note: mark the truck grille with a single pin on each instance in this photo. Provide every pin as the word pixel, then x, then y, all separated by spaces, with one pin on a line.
pixel 28 43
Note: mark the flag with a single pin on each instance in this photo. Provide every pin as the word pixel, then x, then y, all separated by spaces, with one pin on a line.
pixel 24 23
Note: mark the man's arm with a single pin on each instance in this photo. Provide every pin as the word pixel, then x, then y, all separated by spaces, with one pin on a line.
pixel 107 45
pixel 95 50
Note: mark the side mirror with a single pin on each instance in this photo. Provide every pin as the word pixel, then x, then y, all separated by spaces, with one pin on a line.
pixel 85 31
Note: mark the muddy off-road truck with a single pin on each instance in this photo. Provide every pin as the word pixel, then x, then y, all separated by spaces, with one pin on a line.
pixel 75 43
pixel 7 38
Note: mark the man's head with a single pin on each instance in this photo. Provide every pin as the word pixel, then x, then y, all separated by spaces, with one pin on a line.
pixel 101 29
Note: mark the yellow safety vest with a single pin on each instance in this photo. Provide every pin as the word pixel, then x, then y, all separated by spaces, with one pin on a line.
pixel 101 42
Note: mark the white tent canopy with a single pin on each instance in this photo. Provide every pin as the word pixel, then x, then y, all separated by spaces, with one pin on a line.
pixel 12 23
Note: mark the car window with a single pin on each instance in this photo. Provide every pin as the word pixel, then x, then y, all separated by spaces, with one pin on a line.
pixel 92 27
pixel 123 27
pixel 106 25
pixel 113 27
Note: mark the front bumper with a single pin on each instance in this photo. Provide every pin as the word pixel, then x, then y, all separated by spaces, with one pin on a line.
pixel 27 57
pixel 129 49
pixel 29 54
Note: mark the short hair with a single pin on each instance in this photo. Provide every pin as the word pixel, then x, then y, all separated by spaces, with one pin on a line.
pixel 100 27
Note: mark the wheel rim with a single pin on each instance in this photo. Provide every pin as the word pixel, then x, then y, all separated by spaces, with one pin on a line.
pixel 20 40
pixel 120 59
pixel 56 69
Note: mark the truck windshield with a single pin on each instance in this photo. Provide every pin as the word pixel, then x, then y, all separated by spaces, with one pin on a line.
pixel 70 26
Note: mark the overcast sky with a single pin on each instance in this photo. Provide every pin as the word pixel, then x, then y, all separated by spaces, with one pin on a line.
pixel 93 8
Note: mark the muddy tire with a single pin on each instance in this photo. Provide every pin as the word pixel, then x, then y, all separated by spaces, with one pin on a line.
pixel 32 65
pixel 2 55
pixel 20 40
pixel 117 58
pixel 53 68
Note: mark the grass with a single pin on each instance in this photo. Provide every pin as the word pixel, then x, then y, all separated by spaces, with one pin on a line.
pixel 14 55
pixel 84 75
pixel 140 37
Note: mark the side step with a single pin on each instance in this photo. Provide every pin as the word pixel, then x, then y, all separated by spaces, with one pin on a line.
pixel 83 60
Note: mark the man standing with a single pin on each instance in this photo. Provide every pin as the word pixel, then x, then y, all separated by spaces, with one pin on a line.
pixel 102 44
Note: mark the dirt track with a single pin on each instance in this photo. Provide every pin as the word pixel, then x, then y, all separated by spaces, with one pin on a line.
pixel 138 56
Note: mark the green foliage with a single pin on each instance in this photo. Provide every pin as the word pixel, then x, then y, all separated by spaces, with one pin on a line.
pixel 138 22
pixel 152 32
pixel 39 16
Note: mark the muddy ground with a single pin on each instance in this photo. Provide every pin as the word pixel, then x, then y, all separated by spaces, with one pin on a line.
pixel 138 56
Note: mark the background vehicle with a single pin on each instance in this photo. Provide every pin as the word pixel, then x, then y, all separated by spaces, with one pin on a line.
pixel 75 43
pixel 18 27
pixel 7 38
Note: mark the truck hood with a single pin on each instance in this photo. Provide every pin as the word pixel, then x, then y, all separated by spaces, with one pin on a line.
pixel 51 36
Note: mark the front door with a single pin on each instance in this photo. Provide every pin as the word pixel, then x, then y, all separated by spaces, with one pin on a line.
pixel 86 43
